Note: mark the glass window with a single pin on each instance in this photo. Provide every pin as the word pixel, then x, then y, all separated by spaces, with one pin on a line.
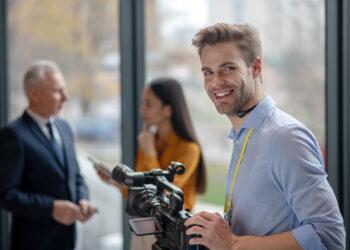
pixel 81 36
pixel 292 33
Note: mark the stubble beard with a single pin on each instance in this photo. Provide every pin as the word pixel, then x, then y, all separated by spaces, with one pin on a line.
pixel 243 94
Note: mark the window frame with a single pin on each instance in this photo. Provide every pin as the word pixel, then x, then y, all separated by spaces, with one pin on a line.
pixel 338 103
pixel 4 111
pixel 133 76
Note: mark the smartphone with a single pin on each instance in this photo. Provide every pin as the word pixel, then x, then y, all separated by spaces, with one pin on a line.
pixel 98 166
pixel 145 226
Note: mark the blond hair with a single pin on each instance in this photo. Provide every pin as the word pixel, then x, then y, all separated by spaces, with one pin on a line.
pixel 246 36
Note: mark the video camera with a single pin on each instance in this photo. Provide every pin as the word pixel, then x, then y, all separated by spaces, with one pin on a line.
pixel 152 195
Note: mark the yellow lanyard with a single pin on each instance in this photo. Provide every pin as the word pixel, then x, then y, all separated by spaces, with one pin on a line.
pixel 236 171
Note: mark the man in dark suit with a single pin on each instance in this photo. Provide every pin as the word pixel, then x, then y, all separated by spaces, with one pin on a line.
pixel 40 182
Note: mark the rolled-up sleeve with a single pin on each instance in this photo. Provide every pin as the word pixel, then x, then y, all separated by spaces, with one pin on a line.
pixel 299 170
pixel 307 238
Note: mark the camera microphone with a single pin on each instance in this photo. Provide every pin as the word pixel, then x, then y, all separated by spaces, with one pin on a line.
pixel 127 177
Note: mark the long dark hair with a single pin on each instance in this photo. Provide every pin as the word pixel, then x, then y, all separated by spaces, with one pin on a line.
pixel 169 91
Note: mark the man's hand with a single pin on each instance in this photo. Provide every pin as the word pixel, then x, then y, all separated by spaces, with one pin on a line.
pixel 66 212
pixel 214 229
pixel 86 210
pixel 216 234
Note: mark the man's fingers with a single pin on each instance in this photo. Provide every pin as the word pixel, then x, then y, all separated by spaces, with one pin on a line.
pixel 75 212
pixel 209 216
pixel 197 221
pixel 198 240
pixel 92 210
pixel 202 218
pixel 87 217
pixel 71 219
pixel 84 209
pixel 196 229
pixel 68 220
pixel 67 212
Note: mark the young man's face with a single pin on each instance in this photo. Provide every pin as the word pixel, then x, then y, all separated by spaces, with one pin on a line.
pixel 227 79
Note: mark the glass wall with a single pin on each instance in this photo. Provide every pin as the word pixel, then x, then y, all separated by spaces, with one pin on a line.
pixel 81 36
pixel 293 40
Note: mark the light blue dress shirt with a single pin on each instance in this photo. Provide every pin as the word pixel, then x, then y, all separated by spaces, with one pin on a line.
pixel 281 184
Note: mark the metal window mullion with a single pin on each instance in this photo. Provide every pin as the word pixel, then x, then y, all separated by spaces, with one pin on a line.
pixel 4 88
pixel 345 38
pixel 338 104
pixel 132 82
pixel 333 98
pixel 4 111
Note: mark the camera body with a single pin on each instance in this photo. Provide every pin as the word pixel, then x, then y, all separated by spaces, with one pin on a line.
pixel 151 194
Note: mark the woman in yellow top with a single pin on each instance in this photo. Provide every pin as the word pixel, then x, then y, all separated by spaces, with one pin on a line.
pixel 164 108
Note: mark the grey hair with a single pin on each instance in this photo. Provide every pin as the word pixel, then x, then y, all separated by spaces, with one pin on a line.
pixel 36 73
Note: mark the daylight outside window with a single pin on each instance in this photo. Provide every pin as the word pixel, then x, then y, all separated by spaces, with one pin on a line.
pixel 81 36
pixel 292 33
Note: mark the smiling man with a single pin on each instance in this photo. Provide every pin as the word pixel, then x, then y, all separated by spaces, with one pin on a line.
pixel 277 194
pixel 40 182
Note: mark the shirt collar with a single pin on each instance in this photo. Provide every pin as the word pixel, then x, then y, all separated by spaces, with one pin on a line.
pixel 42 121
pixel 256 116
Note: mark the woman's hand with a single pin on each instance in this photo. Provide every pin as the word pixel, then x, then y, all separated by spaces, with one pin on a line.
pixel 106 178
pixel 146 141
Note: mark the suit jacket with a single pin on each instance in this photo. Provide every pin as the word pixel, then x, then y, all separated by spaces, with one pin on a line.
pixel 31 178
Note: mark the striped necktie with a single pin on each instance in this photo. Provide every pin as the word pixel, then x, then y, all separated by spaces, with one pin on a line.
pixel 57 148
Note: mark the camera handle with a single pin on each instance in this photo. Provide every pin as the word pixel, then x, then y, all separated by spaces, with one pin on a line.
pixel 156 246
pixel 174 168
